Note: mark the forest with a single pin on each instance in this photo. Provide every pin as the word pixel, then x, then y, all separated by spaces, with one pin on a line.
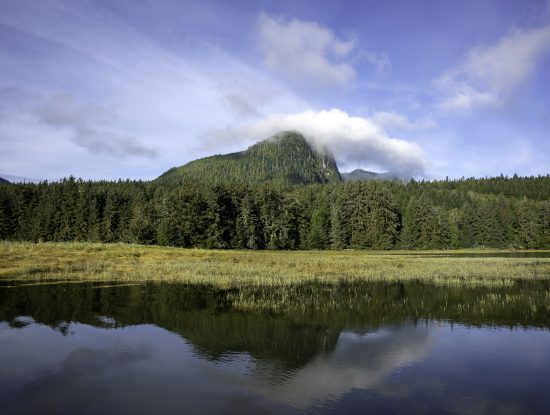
pixel 503 212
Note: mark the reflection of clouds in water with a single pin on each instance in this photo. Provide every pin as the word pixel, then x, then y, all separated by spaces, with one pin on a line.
pixel 358 361
pixel 138 369
pixel 83 374
pixel 44 371
pixel 146 369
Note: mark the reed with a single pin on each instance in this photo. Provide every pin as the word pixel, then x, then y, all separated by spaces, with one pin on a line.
pixel 41 262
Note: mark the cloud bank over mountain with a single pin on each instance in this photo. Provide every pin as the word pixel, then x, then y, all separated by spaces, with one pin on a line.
pixel 352 140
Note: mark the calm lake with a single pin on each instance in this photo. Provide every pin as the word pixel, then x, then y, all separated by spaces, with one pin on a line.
pixel 369 348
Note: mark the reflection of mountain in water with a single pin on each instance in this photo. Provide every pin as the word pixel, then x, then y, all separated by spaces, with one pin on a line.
pixel 145 369
pixel 357 362
pixel 161 348
pixel 309 324
pixel 202 317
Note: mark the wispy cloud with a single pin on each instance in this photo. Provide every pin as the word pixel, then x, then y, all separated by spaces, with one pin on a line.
pixel 490 75
pixel 393 121
pixel 379 61
pixel 89 124
pixel 91 127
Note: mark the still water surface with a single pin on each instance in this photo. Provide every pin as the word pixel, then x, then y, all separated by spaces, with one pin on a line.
pixel 376 348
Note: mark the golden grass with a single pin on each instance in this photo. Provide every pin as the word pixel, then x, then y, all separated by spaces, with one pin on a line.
pixel 234 268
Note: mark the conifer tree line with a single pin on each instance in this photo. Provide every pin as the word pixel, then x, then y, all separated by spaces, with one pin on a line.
pixel 497 212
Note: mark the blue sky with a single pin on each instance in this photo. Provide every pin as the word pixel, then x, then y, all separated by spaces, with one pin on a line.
pixel 125 89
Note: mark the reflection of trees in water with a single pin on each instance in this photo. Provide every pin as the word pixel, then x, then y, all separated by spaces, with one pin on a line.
pixel 287 326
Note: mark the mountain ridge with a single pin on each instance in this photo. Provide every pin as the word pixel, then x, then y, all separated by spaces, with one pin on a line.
pixel 285 158
pixel 364 175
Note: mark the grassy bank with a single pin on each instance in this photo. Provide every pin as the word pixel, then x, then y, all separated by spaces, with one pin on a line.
pixel 134 263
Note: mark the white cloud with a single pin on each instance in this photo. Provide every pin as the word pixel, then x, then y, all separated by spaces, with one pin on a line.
pixel 352 140
pixel 306 50
pixel 491 75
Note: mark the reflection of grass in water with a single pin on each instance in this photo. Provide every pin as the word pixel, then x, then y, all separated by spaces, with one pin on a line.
pixel 288 325
pixel 376 303
pixel 134 263
pixel 235 316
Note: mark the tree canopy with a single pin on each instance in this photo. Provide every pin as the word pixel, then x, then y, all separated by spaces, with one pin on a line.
pixel 496 212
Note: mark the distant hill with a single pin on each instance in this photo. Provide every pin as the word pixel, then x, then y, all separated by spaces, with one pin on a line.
pixel 4 181
pixel 285 158
pixel 363 175
pixel 19 179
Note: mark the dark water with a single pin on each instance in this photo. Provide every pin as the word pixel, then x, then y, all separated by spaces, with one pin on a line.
pixel 478 254
pixel 377 348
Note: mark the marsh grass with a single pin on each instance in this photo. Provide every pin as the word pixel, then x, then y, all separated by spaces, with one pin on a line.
pixel 376 303
pixel 45 262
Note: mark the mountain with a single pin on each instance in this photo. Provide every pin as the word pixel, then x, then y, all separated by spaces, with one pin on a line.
pixel 4 181
pixel 10 178
pixel 286 158
pixel 363 175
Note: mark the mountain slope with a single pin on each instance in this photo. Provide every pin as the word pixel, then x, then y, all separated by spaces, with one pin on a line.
pixel 363 175
pixel 3 181
pixel 285 158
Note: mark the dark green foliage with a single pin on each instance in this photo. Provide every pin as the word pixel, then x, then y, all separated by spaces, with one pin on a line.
pixel 8 218
pixel 249 232
pixel 221 213
pixel 141 228
pixel 284 159
pixel 319 228
pixel 421 223
pixel 365 175
pixel 371 215
pixel 182 216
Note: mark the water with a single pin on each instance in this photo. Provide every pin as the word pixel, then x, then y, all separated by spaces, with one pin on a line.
pixel 481 254
pixel 375 348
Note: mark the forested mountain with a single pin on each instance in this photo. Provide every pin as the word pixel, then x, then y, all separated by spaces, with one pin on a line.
pixel 4 181
pixel 496 212
pixel 360 174
pixel 283 159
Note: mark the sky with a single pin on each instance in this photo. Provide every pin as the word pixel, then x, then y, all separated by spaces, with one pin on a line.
pixel 104 89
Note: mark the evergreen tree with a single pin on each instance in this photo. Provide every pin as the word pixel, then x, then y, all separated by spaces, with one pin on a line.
pixel 530 231
pixel 319 228
pixel 249 231
pixel 455 219
pixel 495 212
pixel 420 224
pixel 383 218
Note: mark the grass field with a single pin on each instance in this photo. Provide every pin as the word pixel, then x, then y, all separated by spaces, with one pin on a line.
pixel 53 262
